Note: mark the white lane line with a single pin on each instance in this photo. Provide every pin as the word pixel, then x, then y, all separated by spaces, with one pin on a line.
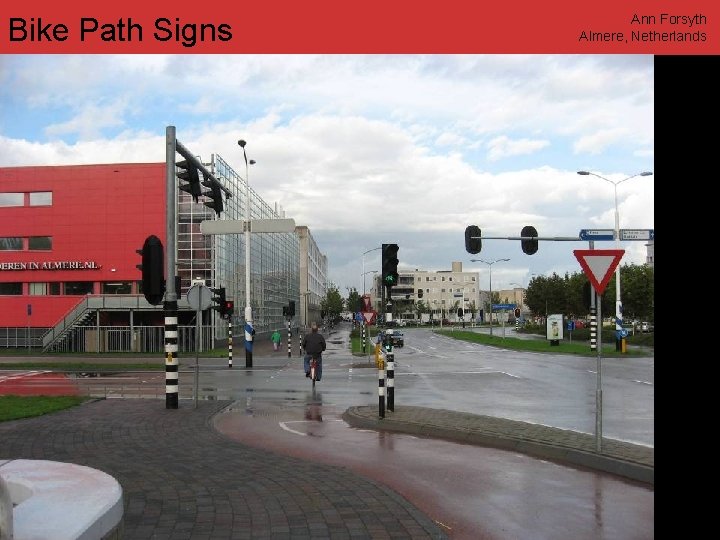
pixel 284 425
pixel 643 382
pixel 21 375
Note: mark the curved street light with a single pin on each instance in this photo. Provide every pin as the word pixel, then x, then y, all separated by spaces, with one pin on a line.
pixel 618 301
pixel 248 309
pixel 490 263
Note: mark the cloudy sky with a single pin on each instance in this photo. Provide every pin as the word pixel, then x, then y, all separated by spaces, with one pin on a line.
pixel 371 149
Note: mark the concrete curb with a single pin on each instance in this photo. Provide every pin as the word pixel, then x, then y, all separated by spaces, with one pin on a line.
pixel 464 429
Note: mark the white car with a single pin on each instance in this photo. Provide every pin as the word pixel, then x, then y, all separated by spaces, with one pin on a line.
pixel 647 327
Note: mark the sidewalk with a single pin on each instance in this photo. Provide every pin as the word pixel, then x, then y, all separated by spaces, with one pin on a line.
pixel 632 461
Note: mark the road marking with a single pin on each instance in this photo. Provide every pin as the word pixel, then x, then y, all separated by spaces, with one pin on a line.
pixel 284 426
pixel 643 382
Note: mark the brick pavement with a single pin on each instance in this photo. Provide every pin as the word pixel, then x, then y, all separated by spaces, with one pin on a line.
pixel 181 479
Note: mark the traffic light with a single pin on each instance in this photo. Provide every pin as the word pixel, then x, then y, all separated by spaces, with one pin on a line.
pixel 285 311
pixel 460 312
pixel 517 312
pixel 229 308
pixel 189 174
pixel 473 243
pixel 291 308
pixel 529 246
pixel 420 293
pixel 389 265
pixel 219 300
pixel 152 267
pixel 215 194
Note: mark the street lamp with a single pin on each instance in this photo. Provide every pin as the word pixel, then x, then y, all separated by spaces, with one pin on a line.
pixel 490 263
pixel 618 301
pixel 363 276
pixel 363 265
pixel 248 309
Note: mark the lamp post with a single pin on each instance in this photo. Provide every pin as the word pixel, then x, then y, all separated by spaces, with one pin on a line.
pixel 249 330
pixel 618 301
pixel 363 265
pixel 490 263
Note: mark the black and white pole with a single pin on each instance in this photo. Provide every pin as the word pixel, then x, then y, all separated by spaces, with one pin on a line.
pixel 593 313
pixel 363 338
pixel 390 365
pixel 170 305
pixel 289 340
pixel 230 341
pixel 381 388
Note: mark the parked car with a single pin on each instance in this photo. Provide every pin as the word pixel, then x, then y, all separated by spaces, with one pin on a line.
pixel 398 339
pixel 647 327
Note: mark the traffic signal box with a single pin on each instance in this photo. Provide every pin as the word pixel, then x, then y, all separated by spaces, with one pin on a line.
pixel 219 300
pixel 229 308
pixel 152 267
pixel 189 174
pixel 214 194
pixel 389 265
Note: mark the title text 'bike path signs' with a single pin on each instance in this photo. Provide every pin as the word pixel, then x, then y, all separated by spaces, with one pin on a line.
pixel 599 265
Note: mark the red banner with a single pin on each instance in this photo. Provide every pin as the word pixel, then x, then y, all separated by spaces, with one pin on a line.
pixel 371 26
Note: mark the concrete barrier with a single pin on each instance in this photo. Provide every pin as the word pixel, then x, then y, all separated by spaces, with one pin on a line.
pixel 50 500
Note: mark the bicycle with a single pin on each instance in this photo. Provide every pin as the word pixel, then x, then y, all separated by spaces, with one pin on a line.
pixel 313 369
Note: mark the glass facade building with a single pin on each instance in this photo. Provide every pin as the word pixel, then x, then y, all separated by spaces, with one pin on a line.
pixel 219 260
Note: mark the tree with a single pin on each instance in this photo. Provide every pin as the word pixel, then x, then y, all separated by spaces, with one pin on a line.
pixel 332 304
pixel 354 301
pixel 421 307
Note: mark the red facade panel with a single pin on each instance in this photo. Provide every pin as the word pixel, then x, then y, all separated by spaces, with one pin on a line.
pixel 99 216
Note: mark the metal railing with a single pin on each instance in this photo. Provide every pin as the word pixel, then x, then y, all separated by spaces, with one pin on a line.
pixel 138 339
pixel 91 304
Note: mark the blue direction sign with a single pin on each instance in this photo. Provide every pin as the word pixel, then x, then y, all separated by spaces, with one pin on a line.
pixel 637 234
pixel 597 234
pixel 503 306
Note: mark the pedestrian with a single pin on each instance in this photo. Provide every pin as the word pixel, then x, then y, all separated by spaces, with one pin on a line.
pixel 275 338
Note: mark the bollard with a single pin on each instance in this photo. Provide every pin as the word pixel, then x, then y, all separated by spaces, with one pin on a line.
pixel 390 380
pixel 230 342
pixel 381 388
pixel 289 341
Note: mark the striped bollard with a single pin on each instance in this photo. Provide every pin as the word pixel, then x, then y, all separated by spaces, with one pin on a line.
pixel 593 328
pixel 171 361
pixel 230 342
pixel 381 389
pixel 390 379
pixel 289 341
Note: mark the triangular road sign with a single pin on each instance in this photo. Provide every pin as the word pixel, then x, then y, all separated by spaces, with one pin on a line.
pixel 599 265
pixel 369 316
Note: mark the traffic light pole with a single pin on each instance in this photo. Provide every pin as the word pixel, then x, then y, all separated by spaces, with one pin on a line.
pixel 170 306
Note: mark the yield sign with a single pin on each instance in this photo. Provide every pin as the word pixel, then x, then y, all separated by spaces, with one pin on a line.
pixel 599 265
pixel 369 316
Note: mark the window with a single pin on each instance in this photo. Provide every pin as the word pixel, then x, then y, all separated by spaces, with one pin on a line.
pixel 38 289
pixel 79 287
pixel 41 198
pixel 11 288
pixel 40 243
pixel 54 288
pixel 11 243
pixel 12 199
pixel 116 288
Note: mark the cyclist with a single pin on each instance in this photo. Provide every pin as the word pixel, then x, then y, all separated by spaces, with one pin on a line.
pixel 313 344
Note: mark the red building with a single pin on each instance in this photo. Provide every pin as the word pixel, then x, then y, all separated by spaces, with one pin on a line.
pixel 71 231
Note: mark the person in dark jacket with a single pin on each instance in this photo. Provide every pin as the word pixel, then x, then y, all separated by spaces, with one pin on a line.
pixel 313 344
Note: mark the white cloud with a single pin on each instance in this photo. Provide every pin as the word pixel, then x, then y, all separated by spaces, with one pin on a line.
pixel 366 149
pixel 502 147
